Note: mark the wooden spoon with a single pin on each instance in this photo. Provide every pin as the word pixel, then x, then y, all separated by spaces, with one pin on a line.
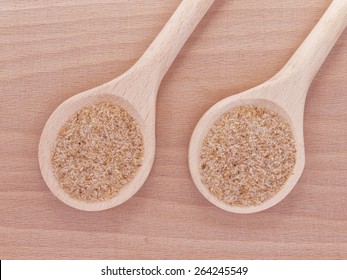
pixel 285 94
pixel 136 91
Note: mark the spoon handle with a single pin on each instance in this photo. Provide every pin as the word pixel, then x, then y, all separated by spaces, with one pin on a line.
pixel 307 60
pixel 164 49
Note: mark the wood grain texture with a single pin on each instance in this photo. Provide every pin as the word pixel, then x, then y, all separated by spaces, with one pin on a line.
pixel 51 50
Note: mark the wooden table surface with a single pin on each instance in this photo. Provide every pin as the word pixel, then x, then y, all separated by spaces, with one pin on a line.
pixel 51 50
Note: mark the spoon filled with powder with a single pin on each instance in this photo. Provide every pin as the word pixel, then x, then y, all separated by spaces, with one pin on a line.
pixel 97 148
pixel 247 151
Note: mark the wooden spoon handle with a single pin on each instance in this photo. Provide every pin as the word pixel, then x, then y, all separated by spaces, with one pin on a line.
pixel 307 60
pixel 164 49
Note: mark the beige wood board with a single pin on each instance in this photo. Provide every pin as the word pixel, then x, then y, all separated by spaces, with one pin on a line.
pixel 51 50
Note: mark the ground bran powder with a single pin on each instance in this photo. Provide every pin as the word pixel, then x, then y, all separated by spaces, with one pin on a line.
pixel 247 156
pixel 97 152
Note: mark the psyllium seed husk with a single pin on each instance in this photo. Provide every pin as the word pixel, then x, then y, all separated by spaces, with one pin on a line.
pixel 247 156
pixel 97 152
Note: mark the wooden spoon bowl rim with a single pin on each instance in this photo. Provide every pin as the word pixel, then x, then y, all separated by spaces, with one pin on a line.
pixel 204 125
pixel 49 134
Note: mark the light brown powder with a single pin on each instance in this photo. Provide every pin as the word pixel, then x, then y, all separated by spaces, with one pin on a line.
pixel 247 156
pixel 97 152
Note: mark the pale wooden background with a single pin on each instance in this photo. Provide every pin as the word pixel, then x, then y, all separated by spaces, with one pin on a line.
pixel 51 50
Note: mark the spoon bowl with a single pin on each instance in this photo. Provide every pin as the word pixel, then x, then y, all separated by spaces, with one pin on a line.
pixel 136 92
pixel 61 115
pixel 225 105
pixel 283 94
